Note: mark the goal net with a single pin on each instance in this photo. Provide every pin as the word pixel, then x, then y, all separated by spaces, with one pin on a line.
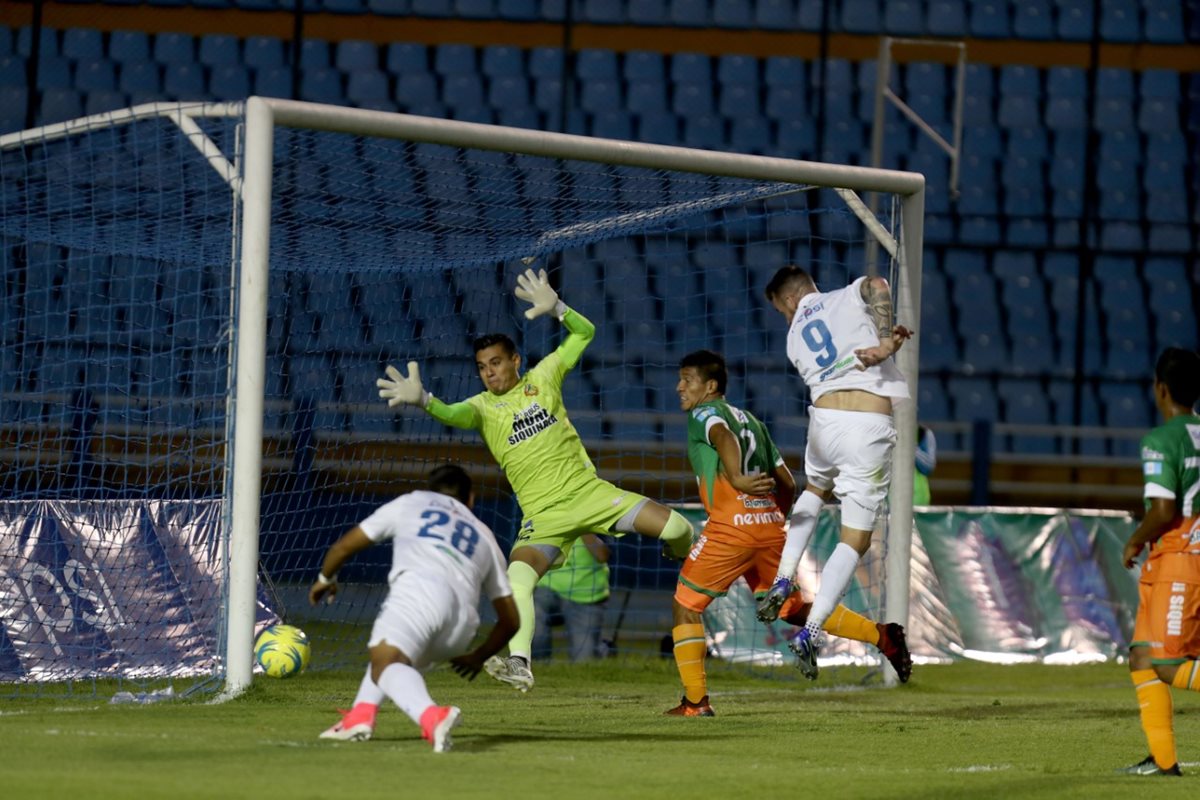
pixel 197 303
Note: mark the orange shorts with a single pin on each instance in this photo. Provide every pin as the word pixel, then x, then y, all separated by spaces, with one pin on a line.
pixel 714 564
pixel 1168 621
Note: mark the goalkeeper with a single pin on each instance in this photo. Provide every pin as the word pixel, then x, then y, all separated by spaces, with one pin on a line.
pixel 525 426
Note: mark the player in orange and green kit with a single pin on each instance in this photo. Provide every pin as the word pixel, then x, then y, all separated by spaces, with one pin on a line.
pixel 1166 634
pixel 524 424
pixel 744 484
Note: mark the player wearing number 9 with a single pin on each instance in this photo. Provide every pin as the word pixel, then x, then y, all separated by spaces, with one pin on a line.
pixel 442 557
pixel 841 342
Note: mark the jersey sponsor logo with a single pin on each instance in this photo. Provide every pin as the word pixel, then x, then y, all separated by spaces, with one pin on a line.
pixel 1152 468
pixel 750 501
pixel 1175 609
pixel 531 390
pixel 837 367
pixel 1151 455
pixel 758 518
pixel 813 309
pixel 703 413
pixel 694 553
pixel 530 423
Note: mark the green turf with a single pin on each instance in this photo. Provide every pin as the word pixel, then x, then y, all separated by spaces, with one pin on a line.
pixel 968 730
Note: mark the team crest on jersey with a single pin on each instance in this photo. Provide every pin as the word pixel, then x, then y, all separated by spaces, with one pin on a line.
pixel 531 390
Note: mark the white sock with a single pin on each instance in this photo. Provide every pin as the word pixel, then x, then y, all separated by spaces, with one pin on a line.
pixel 368 692
pixel 835 578
pixel 800 529
pixel 407 689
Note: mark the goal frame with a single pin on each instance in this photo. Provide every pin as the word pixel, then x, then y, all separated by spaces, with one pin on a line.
pixel 251 183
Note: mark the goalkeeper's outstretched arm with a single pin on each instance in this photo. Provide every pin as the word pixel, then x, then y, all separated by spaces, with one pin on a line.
pixel 400 390
pixel 534 288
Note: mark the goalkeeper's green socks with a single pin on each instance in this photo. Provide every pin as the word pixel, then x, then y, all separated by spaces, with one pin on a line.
pixel 1188 676
pixel 690 649
pixel 523 579
pixel 1154 703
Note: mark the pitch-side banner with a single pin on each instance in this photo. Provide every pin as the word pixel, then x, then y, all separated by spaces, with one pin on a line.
pixel 110 588
pixel 994 584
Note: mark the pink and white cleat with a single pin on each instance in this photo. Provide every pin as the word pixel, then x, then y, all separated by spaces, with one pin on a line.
pixel 356 725
pixel 436 724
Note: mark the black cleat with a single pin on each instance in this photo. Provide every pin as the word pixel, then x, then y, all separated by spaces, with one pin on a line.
pixel 1147 767
pixel 894 646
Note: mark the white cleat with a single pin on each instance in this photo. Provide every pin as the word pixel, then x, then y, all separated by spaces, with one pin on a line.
pixel 513 671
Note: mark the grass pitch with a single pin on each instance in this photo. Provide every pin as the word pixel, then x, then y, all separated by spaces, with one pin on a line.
pixel 967 730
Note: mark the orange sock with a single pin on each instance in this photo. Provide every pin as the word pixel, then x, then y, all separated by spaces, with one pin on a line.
pixel 1154 700
pixel 1188 676
pixel 690 648
pixel 845 623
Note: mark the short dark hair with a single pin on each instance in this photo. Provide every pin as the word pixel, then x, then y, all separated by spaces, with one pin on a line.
pixel 1179 369
pixel 490 339
pixel 710 365
pixel 453 480
pixel 784 278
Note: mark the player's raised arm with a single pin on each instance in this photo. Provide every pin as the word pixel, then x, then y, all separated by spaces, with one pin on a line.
pixel 400 390
pixel 878 296
pixel 535 289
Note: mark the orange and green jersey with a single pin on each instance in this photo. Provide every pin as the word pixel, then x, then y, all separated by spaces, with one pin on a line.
pixel 526 428
pixel 732 515
pixel 1171 470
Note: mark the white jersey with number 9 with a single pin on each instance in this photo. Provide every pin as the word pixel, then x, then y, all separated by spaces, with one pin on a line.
pixel 825 331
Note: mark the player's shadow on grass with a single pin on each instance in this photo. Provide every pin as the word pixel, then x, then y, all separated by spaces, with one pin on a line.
pixel 484 742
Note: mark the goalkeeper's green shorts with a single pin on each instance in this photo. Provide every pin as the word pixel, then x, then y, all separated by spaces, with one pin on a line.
pixel 594 508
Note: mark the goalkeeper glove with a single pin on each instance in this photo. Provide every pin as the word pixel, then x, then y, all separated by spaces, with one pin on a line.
pixel 397 389
pixel 535 289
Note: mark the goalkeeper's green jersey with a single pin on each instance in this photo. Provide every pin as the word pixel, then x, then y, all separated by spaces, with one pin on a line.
pixel 526 428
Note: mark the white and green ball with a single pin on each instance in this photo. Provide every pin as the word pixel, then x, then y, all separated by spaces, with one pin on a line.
pixel 282 651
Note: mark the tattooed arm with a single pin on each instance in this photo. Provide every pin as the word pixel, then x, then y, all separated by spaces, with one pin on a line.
pixel 878 296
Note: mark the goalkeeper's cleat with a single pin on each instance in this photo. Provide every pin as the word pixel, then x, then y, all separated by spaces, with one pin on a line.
pixel 806 647
pixel 513 671
pixel 356 725
pixel 894 645
pixel 436 724
pixel 773 600
pixel 686 708
pixel 1147 767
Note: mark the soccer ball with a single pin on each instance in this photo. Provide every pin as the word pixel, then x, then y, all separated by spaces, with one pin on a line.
pixel 282 651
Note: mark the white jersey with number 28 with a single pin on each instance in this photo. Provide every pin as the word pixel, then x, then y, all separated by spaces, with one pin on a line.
pixel 436 535
pixel 826 330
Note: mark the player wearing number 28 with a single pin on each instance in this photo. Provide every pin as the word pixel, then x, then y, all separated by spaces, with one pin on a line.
pixel 1166 633
pixel 841 342
pixel 744 485
pixel 524 424
pixel 441 557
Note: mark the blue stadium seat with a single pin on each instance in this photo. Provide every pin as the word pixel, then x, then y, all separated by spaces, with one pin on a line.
pixel 1062 393
pixel 989 19
pixel 126 46
pixel 404 58
pixel 47 44
pixel 693 99
pixel 79 44
pixel 1156 114
pixel 705 132
pixel 355 54
pixel 786 71
pixel 264 52
pixel 546 62
pixel 96 75
pixel 273 82
pixel 1126 405
pixel 314 54
pixel 691 68
pixel 517 9
pixel 689 13
pixel 432 8
pixel 732 14
pixel 903 18
pixel 946 18
pixel 219 50
pixel 775 15
pixel 174 48
pixel 1033 20
pixel 416 89
pixel 646 96
pixel 1164 21
pixel 1075 21
pixel 100 102
pixel 463 91
pixel 367 86
pixel 596 96
pixel 59 105
pixel 600 11
pixel 594 64
pixel 454 59
pixel 344 6
pixel 1025 403
pixel 658 128
pixel 1120 21
pixel 738 70
pixel 973 399
pixel 184 82
pixel 861 16
pixel 12 71
pixel 501 61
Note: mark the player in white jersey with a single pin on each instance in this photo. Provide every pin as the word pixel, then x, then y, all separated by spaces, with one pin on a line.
pixel 442 556
pixel 841 342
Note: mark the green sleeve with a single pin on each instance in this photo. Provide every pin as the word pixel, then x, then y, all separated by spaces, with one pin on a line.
pixel 456 415
pixel 580 332
pixel 1157 462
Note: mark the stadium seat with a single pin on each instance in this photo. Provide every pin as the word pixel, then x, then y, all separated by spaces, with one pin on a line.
pixel 546 62
pixel 691 68
pixel 95 75
pixel 219 50
pixel 54 72
pixel 416 89
pixel 860 16
pixel 646 96
pixel 989 19
pixel 403 58
pixel 100 102
pixel 367 86
pixel 47 42
pixel 597 96
pixel 689 13
pixel 1033 20
pixel 264 52
pixel 314 54
pixel 1026 403
pixel 1164 21
pixel 184 81
pixel 1126 405
pixel 59 105
pixel 78 44
pixel 353 55
pixel 454 59
pixel 273 82
pixel 946 18
pixel 973 399
pixel 174 48
pixel 1075 21
pixel 1120 21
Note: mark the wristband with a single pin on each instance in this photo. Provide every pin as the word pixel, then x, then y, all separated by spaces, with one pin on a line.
pixel 321 579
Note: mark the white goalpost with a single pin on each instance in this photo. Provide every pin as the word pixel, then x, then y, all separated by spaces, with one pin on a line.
pixel 347 230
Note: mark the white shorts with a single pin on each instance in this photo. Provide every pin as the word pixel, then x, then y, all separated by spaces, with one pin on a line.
pixel 425 619
pixel 851 453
